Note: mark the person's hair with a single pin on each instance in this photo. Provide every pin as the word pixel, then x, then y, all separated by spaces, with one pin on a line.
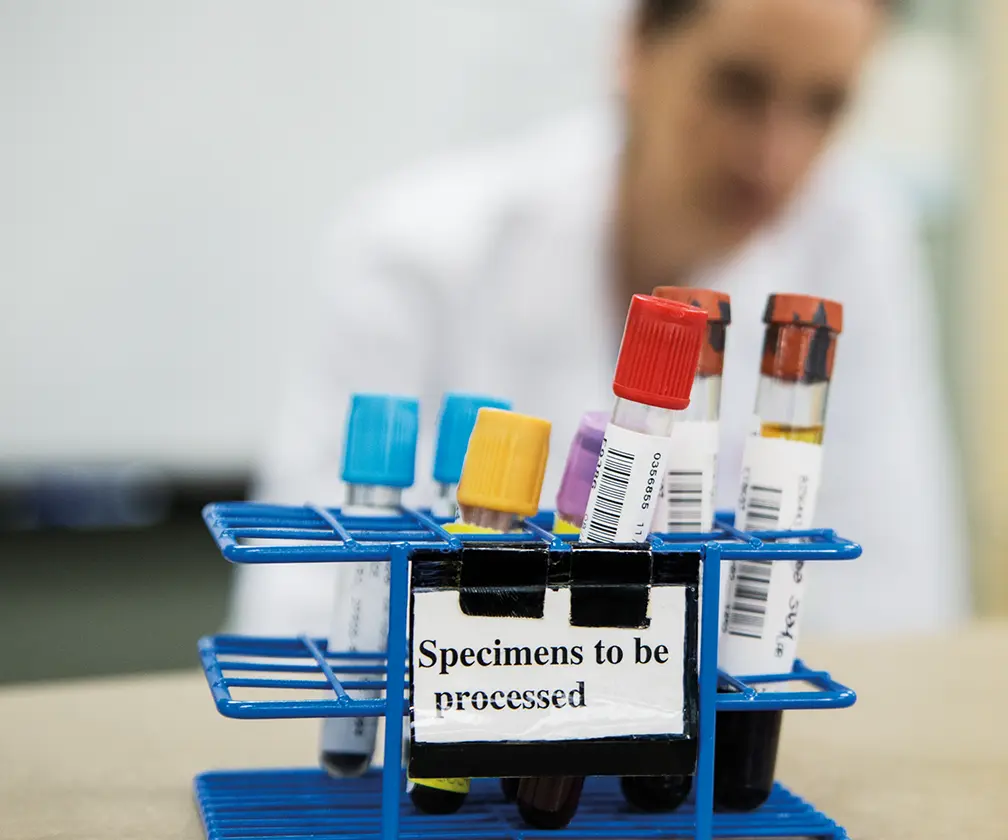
pixel 653 15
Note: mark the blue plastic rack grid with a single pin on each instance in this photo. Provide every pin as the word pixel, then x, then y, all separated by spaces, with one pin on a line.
pixel 306 803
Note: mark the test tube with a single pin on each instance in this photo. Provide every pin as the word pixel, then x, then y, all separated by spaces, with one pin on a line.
pixel 571 501
pixel 780 480
pixel 455 425
pixel 378 463
pixel 500 484
pixel 579 473
pixel 686 502
pixel 654 376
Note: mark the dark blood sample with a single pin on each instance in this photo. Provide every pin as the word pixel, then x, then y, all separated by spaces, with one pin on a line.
pixel 432 800
pixel 549 802
pixel 509 787
pixel 656 793
pixel 745 755
pixel 343 764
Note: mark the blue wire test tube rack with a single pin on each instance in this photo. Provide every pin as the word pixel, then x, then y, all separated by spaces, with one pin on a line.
pixel 307 803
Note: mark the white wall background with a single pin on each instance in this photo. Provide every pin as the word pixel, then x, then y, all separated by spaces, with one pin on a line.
pixel 166 168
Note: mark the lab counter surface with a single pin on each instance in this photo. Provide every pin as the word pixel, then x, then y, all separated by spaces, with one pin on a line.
pixel 923 754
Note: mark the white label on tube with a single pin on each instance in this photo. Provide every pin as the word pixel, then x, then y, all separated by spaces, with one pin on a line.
pixel 479 678
pixel 628 479
pixel 762 609
pixel 686 502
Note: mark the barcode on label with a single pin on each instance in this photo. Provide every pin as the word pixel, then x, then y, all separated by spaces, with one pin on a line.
pixel 613 481
pixel 684 501
pixel 763 507
pixel 748 606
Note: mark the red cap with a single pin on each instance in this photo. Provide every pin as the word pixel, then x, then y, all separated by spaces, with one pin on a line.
pixel 660 352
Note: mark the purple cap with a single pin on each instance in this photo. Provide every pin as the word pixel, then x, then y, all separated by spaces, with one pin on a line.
pixel 582 459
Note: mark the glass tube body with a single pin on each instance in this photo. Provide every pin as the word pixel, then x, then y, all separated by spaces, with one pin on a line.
pixel 372 499
pixel 705 400
pixel 444 504
pixel 647 419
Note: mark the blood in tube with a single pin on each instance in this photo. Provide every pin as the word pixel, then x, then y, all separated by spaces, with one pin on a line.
pixel 781 470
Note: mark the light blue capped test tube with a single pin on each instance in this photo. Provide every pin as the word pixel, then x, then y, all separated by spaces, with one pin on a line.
pixel 455 425
pixel 379 462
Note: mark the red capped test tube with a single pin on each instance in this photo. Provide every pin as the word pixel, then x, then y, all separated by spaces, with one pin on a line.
pixel 686 501
pixel 654 376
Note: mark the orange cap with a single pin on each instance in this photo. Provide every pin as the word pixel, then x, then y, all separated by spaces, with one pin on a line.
pixel 800 340
pixel 660 352
pixel 804 310
pixel 717 305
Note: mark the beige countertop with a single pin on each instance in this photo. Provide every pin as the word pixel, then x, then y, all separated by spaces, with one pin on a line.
pixel 115 758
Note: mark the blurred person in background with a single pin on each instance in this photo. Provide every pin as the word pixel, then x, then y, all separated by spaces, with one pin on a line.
pixel 507 271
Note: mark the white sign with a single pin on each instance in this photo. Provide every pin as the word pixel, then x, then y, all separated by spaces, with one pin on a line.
pixel 479 678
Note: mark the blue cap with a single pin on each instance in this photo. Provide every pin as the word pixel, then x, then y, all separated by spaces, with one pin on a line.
pixel 458 416
pixel 381 440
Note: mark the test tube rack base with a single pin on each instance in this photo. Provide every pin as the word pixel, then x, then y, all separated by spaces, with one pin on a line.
pixel 308 804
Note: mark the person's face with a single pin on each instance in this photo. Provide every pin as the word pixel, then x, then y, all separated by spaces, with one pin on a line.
pixel 728 111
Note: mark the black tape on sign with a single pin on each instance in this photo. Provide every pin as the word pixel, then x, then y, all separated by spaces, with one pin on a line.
pixel 434 568
pixel 680 567
pixel 508 581
pixel 639 756
pixel 609 586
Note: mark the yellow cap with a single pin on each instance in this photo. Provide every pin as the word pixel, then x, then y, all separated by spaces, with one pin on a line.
pixel 505 462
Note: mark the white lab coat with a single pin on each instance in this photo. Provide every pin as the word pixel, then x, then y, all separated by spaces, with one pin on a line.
pixel 487 273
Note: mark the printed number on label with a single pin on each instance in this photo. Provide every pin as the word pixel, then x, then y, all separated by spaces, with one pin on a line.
pixel 654 476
